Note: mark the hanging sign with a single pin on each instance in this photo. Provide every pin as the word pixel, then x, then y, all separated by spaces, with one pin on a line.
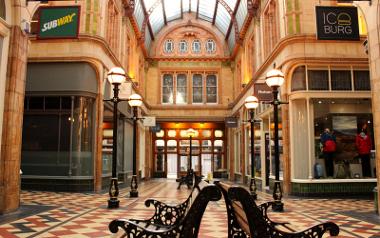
pixel 263 92
pixel 149 121
pixel 58 22
pixel 231 122
pixel 337 23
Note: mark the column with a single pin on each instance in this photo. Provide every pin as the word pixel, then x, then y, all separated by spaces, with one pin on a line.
pixel 13 117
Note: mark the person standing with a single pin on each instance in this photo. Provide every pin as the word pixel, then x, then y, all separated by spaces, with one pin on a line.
pixel 364 145
pixel 328 141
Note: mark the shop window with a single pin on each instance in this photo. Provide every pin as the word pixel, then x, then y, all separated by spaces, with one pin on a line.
pixel 37 103
pixel 271 27
pixel 49 133
pixel 113 26
pixel 318 79
pixel 292 17
pixel 183 146
pixel 206 133
pixel 182 46
pixel 66 102
pixel 197 88
pixel 210 46
pixel 2 9
pixel 237 153
pixel 340 80
pixel 344 127
pixel 172 133
pixel 181 96
pixel 196 46
pixel 168 46
pixel 172 146
pixel 183 133
pixel 218 156
pixel 206 146
pixel 52 103
pixel 167 88
pixel 211 89
pixel 160 155
pixel 299 79
pixel 361 80
pixel 160 134
pixel 218 133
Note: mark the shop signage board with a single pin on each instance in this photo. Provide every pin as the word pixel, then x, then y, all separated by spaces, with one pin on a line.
pixel 263 92
pixel 58 22
pixel 149 121
pixel 231 122
pixel 337 23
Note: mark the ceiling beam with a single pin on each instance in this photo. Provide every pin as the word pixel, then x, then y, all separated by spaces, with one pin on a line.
pixel 146 22
pixel 197 9
pixel 181 9
pixel 233 22
pixel 163 11
pixel 215 11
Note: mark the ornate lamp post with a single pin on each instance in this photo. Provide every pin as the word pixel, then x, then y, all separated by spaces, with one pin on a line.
pixel 274 79
pixel 116 76
pixel 135 102
pixel 251 103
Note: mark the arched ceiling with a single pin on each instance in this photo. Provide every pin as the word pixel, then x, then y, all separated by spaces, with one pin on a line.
pixel 228 16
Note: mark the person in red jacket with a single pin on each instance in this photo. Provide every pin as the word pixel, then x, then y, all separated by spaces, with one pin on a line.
pixel 364 145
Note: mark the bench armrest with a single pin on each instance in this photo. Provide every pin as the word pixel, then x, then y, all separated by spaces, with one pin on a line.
pixel 264 208
pixel 312 232
pixel 135 227
pixel 166 215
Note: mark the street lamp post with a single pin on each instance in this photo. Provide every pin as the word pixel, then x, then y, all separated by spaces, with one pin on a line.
pixel 190 173
pixel 274 79
pixel 116 76
pixel 251 103
pixel 134 101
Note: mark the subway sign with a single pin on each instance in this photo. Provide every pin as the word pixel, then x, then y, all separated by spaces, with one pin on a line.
pixel 337 23
pixel 58 22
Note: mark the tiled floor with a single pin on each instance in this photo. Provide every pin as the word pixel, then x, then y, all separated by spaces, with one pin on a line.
pixel 49 214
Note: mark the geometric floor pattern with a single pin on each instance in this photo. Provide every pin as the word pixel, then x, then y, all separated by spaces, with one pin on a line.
pixel 77 215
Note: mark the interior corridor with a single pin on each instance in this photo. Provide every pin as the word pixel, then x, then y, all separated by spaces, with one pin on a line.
pixel 50 214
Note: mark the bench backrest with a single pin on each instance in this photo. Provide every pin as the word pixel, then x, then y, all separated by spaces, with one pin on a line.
pixel 237 220
pixel 189 225
pixel 260 227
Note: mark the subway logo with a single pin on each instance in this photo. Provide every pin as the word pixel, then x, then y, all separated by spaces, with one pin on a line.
pixel 59 22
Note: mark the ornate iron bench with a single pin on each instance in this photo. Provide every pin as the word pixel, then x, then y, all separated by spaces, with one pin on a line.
pixel 246 219
pixel 188 179
pixel 168 221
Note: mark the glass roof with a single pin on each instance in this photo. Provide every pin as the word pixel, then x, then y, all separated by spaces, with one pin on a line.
pixel 160 12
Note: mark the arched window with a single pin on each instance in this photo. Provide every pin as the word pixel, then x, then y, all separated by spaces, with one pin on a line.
pixel 299 79
pixel 168 46
pixel 210 46
pixel 182 46
pixel 196 47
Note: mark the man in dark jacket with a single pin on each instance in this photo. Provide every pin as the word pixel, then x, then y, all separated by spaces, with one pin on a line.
pixel 364 145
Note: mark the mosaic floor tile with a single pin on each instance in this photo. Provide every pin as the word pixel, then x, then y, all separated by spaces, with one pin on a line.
pixel 77 215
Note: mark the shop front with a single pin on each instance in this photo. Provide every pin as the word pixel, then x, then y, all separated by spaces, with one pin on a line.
pixel 58 139
pixel 172 146
pixel 330 104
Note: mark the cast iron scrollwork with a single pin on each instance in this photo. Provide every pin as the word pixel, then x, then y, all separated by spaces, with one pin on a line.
pixel 181 221
pixel 260 227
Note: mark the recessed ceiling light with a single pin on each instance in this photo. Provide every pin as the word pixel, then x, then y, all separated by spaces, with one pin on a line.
pixel 320 102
